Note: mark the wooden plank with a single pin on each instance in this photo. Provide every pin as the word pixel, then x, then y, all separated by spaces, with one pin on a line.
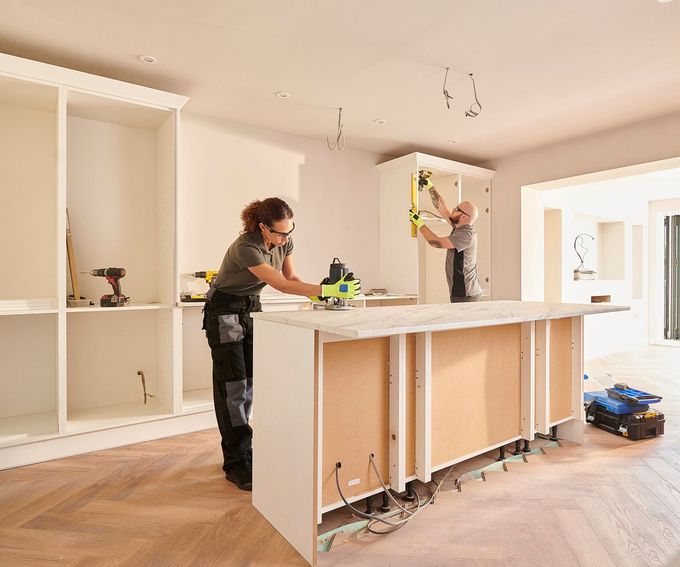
pixel 70 251
pixel 476 377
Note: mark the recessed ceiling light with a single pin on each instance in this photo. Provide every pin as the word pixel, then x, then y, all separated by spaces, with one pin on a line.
pixel 282 94
pixel 379 121
pixel 664 1
pixel 147 59
pixel 451 141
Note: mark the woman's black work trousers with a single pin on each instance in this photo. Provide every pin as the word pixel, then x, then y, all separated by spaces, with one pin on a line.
pixel 229 330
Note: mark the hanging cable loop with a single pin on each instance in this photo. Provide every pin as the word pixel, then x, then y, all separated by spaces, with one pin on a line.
pixel 340 136
pixel 447 96
pixel 475 107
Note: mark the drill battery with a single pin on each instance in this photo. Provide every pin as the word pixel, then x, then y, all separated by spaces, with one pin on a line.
pixel 633 420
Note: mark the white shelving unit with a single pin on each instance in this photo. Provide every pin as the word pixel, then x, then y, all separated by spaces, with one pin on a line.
pixel 400 252
pixel 108 152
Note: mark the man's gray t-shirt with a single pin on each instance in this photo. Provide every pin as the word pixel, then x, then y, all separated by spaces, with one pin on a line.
pixel 248 251
pixel 461 263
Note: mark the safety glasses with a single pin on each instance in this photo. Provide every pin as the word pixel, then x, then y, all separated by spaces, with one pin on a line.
pixel 285 234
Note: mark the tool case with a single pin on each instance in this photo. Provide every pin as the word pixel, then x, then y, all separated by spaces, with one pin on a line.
pixel 619 411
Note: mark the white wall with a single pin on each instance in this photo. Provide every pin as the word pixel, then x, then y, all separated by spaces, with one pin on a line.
pixel 651 140
pixel 334 196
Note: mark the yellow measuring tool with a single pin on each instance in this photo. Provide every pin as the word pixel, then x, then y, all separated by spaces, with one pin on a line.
pixel 414 202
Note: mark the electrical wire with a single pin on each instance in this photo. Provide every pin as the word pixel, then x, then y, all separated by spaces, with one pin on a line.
pixel 472 112
pixel 340 136
pixel 433 215
pixel 359 512
pixel 393 526
pixel 447 96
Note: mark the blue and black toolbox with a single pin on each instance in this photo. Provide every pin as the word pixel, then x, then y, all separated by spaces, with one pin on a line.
pixel 624 411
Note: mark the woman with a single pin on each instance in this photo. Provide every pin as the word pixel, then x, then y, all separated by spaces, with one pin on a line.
pixel 262 254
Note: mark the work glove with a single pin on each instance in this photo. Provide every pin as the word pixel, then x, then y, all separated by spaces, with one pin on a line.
pixel 345 288
pixel 416 219
pixel 424 183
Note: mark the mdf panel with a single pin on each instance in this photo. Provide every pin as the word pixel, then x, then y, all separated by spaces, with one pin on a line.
pixel 476 380
pixel 355 415
pixel 560 369
pixel 410 405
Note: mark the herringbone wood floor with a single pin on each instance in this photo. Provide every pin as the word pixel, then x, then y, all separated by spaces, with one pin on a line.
pixel 610 502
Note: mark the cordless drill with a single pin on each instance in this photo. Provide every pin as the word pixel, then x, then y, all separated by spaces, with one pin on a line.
pixel 208 275
pixel 112 275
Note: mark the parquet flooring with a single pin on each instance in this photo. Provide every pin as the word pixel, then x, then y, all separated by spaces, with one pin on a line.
pixel 610 502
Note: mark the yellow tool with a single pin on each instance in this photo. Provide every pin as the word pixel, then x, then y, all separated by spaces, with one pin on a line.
pixel 414 203
pixel 209 277
pixel 417 186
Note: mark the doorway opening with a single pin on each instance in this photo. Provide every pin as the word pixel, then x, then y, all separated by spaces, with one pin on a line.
pixel 601 237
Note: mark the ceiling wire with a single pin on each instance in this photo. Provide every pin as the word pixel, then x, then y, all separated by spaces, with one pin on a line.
pixel 474 112
pixel 447 96
pixel 340 135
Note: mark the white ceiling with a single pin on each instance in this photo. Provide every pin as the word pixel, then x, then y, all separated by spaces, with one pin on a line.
pixel 546 70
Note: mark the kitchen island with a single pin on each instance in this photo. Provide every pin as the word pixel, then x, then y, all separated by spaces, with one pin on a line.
pixel 420 387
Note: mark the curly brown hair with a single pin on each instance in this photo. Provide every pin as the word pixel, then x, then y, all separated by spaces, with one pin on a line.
pixel 267 212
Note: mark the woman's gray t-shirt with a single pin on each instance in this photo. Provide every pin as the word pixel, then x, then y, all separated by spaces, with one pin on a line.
pixel 247 251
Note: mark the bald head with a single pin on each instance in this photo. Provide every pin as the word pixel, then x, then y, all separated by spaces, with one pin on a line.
pixel 465 213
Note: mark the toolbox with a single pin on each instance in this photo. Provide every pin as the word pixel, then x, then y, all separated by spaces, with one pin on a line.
pixel 624 411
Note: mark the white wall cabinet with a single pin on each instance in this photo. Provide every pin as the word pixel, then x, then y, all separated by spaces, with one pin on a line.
pixel 69 376
pixel 409 265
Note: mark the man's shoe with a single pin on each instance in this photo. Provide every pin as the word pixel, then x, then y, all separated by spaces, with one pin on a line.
pixel 241 475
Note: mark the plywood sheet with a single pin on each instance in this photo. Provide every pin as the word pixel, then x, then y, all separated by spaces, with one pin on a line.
pixel 355 415
pixel 475 389
pixel 560 369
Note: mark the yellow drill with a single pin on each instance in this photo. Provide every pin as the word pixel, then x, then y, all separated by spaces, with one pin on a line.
pixel 208 275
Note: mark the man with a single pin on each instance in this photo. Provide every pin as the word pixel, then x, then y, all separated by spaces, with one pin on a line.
pixel 460 245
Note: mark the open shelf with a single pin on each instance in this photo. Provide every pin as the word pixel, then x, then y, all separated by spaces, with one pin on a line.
pixel 115 415
pixel 28 428
pixel 131 307
pixel 28 366
pixel 36 306
pixel 200 399
pixel 121 196
pixel 28 192
pixel 196 364
pixel 105 352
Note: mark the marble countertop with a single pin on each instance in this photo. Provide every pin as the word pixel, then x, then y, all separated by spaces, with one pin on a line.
pixel 367 323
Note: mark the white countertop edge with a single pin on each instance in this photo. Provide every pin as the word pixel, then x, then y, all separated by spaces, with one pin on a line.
pixel 291 318
pixel 275 299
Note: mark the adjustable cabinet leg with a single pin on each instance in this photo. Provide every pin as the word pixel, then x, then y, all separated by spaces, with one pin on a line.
pixel 385 503
pixel 410 495
pixel 526 448
pixel 369 505
pixel 553 433
pixel 501 454
pixel 518 448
